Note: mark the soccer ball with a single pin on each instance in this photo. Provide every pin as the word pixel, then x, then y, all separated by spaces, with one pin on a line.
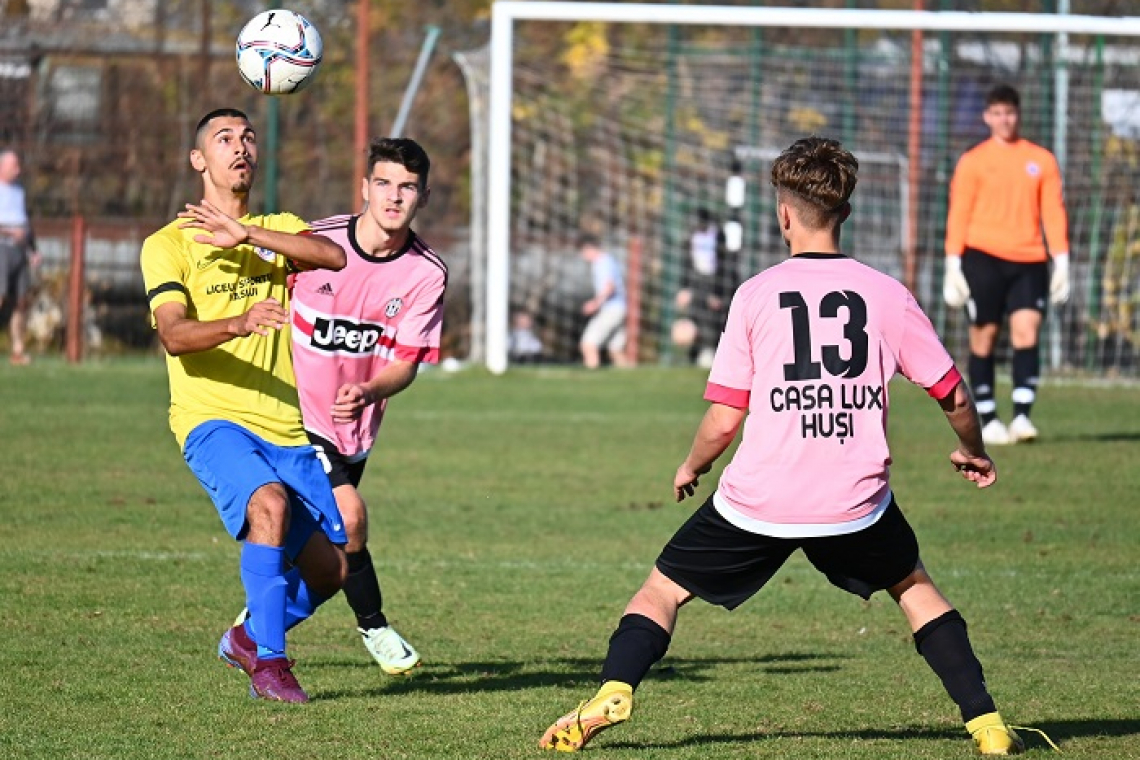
pixel 278 52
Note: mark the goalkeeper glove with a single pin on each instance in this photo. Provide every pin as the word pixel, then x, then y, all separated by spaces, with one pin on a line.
pixel 1059 284
pixel 955 289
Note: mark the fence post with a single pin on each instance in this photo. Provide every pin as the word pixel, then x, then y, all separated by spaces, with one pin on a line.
pixel 633 301
pixel 75 291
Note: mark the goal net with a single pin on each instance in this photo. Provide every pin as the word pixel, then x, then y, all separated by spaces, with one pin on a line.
pixel 628 121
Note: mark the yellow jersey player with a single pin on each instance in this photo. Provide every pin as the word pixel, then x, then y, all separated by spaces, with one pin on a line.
pixel 216 286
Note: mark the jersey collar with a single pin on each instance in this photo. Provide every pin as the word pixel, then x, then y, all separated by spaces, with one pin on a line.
pixel 377 259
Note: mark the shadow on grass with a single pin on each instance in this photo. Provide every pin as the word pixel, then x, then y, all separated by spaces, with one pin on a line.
pixel 473 677
pixel 1059 731
pixel 1112 437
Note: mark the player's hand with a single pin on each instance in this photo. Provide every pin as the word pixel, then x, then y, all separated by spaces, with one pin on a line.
pixel 225 231
pixel 351 401
pixel 589 307
pixel 955 289
pixel 1059 288
pixel 686 481
pixel 980 470
pixel 262 317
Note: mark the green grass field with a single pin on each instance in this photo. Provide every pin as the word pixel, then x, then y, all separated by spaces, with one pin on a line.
pixel 512 519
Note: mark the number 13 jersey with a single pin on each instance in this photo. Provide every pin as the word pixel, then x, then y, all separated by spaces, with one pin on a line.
pixel 809 348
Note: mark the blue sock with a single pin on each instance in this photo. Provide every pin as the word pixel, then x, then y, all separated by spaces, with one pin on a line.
pixel 301 601
pixel 266 593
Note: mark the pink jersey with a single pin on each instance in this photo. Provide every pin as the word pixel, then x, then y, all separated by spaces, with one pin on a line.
pixel 347 325
pixel 809 347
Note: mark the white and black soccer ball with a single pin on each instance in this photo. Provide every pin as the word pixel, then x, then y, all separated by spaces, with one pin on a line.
pixel 279 52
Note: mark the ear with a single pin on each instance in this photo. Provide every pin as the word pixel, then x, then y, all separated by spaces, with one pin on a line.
pixel 784 215
pixel 198 160
pixel 364 188
pixel 846 212
pixel 425 195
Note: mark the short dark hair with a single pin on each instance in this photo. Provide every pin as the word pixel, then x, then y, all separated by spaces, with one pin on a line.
pixel 403 151
pixel 217 113
pixel 588 239
pixel 704 216
pixel 817 175
pixel 1005 95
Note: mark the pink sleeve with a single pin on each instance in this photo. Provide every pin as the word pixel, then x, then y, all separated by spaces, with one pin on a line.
pixel 732 368
pixel 420 330
pixel 922 358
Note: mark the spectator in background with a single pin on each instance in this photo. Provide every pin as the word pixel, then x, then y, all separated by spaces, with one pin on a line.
pixel 523 346
pixel 703 297
pixel 18 254
pixel 1003 193
pixel 606 310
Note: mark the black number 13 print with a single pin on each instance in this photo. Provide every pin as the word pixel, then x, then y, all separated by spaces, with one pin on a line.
pixel 854 331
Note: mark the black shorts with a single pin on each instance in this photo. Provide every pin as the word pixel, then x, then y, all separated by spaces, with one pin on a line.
pixel 999 287
pixel 725 565
pixel 341 472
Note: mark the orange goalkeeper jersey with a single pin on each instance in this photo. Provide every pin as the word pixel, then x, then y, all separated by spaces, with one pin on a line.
pixel 1001 196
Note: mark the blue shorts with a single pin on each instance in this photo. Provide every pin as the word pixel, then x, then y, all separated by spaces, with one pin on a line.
pixel 231 463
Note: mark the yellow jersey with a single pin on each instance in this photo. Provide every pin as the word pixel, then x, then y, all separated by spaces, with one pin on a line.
pixel 248 381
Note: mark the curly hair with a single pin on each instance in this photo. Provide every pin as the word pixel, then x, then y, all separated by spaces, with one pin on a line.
pixel 816 175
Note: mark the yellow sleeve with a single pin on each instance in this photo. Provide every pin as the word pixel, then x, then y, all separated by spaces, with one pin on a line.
pixel 284 222
pixel 963 189
pixel 165 272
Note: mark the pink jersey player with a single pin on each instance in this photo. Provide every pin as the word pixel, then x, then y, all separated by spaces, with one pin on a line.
pixel 349 324
pixel 809 348
pixel 803 367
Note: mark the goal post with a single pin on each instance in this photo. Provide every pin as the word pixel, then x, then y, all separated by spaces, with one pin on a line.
pixel 1075 35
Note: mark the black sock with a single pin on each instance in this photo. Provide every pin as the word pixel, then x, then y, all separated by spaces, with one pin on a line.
pixel 981 371
pixel 362 590
pixel 637 643
pixel 1026 368
pixel 946 647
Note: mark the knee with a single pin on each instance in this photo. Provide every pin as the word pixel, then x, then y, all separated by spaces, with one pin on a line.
pixel 268 508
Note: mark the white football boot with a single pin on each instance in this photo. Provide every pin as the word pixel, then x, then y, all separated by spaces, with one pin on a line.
pixel 1021 430
pixel 392 653
pixel 995 433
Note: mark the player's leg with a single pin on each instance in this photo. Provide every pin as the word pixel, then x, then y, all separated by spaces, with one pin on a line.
pixel 17 323
pixel 234 467
pixel 941 638
pixel 362 591
pixel 617 345
pixel 986 308
pixel 392 652
pixel 885 556
pixel 593 338
pixel 1027 303
pixel 7 272
pixel 708 557
pixel 640 640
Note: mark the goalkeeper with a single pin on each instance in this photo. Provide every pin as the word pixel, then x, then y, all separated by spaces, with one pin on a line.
pixel 1004 191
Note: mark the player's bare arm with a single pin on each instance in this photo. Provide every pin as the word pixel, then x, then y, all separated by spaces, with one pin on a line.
pixel 716 433
pixel 181 334
pixel 595 303
pixel 353 398
pixel 306 251
pixel 970 458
